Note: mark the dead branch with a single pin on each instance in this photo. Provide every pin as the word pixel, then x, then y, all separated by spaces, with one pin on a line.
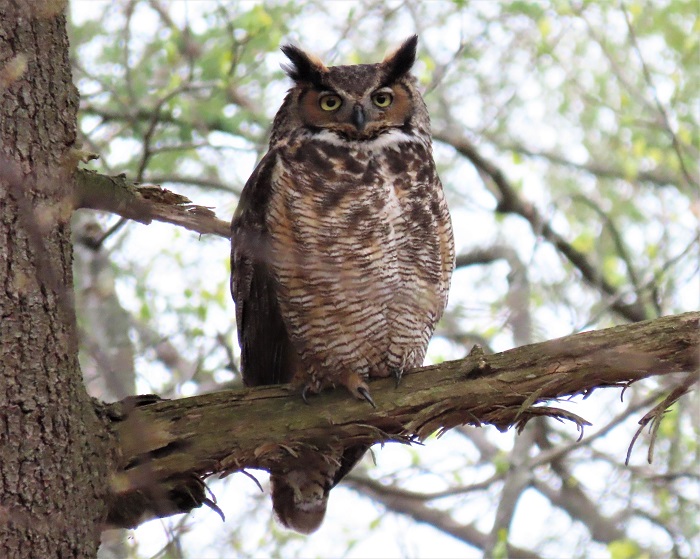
pixel 657 413
pixel 143 203
pixel 260 428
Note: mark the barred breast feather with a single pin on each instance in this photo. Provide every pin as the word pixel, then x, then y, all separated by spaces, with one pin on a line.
pixel 360 241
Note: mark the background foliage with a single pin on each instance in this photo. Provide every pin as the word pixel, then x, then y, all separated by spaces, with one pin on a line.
pixel 583 216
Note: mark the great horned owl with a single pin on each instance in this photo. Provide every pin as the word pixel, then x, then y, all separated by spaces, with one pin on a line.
pixel 342 246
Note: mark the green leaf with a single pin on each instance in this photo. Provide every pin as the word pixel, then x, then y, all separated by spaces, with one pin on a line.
pixel 624 549
pixel 584 242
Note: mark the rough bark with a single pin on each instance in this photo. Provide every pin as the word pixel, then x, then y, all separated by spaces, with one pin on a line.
pixel 53 465
pixel 256 428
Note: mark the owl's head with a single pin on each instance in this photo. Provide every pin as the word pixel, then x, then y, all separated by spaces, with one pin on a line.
pixel 299 499
pixel 358 102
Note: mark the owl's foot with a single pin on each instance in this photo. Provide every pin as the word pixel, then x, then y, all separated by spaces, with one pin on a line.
pixel 357 386
pixel 398 375
pixel 364 392
pixel 305 393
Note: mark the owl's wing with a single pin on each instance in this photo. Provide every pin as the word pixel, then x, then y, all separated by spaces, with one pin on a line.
pixel 267 356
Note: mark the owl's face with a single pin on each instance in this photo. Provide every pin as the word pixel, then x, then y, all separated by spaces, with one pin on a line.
pixel 358 102
pixel 356 113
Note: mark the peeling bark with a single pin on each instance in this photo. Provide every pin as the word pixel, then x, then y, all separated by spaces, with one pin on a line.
pixel 256 428
pixel 144 203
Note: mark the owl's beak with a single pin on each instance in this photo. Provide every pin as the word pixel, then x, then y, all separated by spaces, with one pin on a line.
pixel 358 117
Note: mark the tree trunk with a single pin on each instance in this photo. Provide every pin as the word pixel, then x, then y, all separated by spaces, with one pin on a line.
pixel 53 448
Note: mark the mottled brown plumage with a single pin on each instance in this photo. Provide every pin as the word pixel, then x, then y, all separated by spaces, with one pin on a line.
pixel 342 247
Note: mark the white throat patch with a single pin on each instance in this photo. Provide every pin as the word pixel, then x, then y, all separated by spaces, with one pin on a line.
pixel 391 139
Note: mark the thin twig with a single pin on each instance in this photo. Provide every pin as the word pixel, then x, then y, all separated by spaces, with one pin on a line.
pixel 662 111
pixel 656 414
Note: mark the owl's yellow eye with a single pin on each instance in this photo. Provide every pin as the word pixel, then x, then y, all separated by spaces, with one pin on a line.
pixel 330 102
pixel 382 99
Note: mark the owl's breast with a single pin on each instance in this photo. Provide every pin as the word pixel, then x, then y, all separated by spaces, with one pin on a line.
pixel 338 193
pixel 356 242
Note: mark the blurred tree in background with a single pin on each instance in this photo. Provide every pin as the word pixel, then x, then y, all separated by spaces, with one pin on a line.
pixel 567 138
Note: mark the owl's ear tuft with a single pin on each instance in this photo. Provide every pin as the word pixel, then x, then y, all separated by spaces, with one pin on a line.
pixel 400 62
pixel 304 67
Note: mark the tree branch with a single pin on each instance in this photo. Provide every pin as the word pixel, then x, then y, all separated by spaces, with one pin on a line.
pixel 202 182
pixel 509 201
pixel 261 428
pixel 441 520
pixel 143 203
pixel 658 177
pixel 518 297
pixel 662 111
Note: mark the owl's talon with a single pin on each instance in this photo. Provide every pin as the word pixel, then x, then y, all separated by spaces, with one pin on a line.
pixel 364 392
pixel 398 375
pixel 305 393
